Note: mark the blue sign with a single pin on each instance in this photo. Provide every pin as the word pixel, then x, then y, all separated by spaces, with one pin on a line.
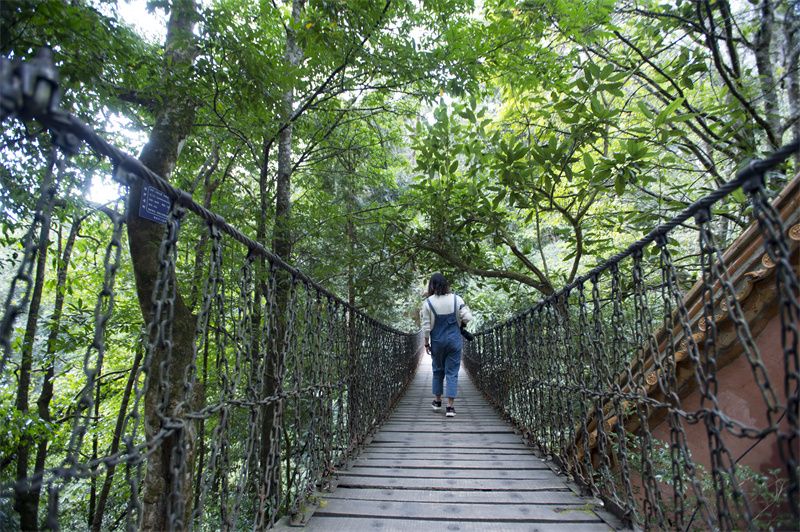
pixel 154 205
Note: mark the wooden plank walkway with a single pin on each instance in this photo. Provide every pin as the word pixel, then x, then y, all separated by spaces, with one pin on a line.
pixel 425 472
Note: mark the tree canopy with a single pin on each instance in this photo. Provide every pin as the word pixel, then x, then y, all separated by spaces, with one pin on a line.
pixel 511 144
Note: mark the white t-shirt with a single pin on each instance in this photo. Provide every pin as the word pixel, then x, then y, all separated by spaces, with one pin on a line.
pixel 442 305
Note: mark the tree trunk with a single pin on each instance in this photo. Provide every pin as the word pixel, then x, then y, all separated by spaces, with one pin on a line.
pixel 261 293
pixel 96 431
pixel 199 267
pixel 209 187
pixel 791 29
pixel 102 499
pixel 281 246
pixel 282 239
pixel 351 274
pixel 763 48
pixel 46 394
pixel 353 395
pixel 25 499
pixel 172 126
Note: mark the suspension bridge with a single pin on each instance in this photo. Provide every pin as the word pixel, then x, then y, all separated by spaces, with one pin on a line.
pixel 630 398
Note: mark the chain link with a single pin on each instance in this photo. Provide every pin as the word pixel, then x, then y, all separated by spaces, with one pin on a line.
pixel 631 388
pixel 21 284
pixel 283 383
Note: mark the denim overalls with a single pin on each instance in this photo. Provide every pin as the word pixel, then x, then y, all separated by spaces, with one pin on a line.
pixel 445 350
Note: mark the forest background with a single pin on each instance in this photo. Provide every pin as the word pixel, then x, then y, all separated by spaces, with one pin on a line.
pixel 511 145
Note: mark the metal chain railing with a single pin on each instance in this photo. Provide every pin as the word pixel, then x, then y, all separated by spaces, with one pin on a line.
pixel 674 403
pixel 283 380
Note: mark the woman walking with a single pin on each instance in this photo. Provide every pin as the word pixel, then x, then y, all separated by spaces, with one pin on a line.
pixel 442 316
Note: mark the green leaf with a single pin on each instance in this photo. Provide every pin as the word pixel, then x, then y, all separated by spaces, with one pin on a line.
pixel 563 105
pixel 498 198
pixel 696 67
pixel 588 162
pixel 619 184
pixel 552 145
pixel 597 107
pixel 644 109
pixel 612 88
pixel 663 116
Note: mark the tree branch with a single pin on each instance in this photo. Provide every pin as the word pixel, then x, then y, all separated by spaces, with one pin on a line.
pixel 671 81
pixel 335 72
pixel 527 262
pixel 721 68
pixel 458 262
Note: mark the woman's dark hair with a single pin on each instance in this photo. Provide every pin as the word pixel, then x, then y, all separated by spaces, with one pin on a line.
pixel 438 285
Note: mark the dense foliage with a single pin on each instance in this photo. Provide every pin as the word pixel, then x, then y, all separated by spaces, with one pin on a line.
pixel 511 144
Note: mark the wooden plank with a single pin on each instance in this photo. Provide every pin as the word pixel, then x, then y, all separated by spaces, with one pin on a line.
pixel 428 414
pixel 449 439
pixel 423 404
pixel 386 450
pixel 461 418
pixel 423 419
pixel 431 473
pixel 452 463
pixel 370 524
pixel 470 512
pixel 450 455
pixel 441 496
pixel 451 483
pixel 455 457
pixel 446 429
pixel 425 472
pixel 453 446
pixel 448 425
pixel 460 422
pixel 427 410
